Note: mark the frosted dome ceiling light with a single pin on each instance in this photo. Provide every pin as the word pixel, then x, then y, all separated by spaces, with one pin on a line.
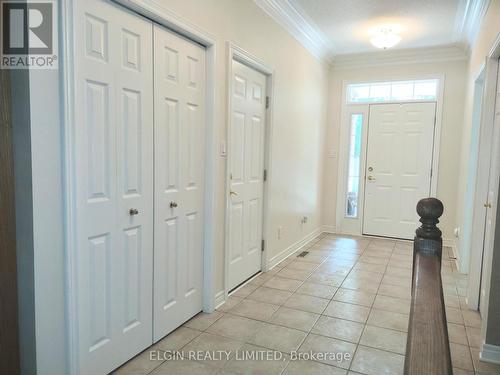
pixel 385 38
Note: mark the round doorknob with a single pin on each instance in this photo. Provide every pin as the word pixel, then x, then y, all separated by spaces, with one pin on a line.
pixel 133 211
pixel 173 204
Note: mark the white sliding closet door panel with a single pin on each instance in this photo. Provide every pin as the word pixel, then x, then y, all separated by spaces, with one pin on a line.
pixel 248 113
pixel 113 163
pixel 179 77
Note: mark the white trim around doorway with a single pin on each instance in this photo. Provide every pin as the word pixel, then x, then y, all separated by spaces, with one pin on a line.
pixel 241 55
pixel 167 18
pixel 353 226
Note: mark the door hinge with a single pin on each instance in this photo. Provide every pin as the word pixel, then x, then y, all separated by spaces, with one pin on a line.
pixel 265 174
pixel 267 102
pixel 263 245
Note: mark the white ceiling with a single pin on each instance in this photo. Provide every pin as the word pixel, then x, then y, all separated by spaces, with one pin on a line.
pixel 334 30
pixel 348 24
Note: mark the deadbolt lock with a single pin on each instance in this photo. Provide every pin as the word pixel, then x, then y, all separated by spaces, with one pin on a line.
pixel 370 169
pixel 173 204
pixel 133 211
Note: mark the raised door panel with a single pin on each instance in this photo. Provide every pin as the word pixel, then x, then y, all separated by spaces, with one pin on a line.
pixel 112 174
pixel 179 180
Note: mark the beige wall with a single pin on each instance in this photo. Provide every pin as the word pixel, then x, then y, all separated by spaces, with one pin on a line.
pixel 450 134
pixel 298 123
pixel 484 41
pixel 488 33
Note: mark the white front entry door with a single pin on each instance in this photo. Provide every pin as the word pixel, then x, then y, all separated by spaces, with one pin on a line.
pixel 179 77
pixel 398 167
pixel 247 132
pixel 113 160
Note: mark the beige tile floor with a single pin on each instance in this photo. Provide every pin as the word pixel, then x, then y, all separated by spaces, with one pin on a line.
pixel 348 295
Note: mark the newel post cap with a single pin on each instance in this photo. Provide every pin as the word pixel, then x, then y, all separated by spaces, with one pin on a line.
pixel 429 210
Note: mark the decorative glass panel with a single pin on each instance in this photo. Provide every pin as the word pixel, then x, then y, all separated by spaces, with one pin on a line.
pixel 396 91
pixel 354 166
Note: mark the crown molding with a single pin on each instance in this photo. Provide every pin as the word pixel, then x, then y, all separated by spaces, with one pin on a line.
pixel 399 57
pixel 296 24
pixel 469 20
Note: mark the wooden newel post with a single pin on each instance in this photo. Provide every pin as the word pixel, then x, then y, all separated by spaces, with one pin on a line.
pixel 427 348
pixel 428 236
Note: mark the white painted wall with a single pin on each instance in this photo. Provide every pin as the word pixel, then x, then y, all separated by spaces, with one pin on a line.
pixel 488 32
pixel 454 89
pixel 301 85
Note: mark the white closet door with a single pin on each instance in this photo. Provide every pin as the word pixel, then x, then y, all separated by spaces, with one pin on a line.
pixel 113 175
pixel 248 108
pixel 179 187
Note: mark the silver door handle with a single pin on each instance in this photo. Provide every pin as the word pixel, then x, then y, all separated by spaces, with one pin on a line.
pixel 173 204
pixel 233 193
pixel 133 211
pixel 371 178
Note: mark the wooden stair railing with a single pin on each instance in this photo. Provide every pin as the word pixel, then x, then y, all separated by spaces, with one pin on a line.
pixel 427 348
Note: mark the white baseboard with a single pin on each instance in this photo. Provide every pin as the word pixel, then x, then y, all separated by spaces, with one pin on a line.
pixel 330 229
pixel 292 249
pixel 490 353
pixel 452 242
pixel 220 299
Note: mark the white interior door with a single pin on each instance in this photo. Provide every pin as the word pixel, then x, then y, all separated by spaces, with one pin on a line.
pixel 114 175
pixel 247 132
pixel 398 167
pixel 179 179
pixel 491 202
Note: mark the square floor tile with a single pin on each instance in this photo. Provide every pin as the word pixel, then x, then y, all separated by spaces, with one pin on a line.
pixel 229 304
pixel 312 368
pixel 471 318
pixel 354 296
pixel 244 291
pixel 317 290
pixel 301 320
pixel 327 279
pixel 177 339
pixel 290 273
pixel 473 337
pixel 203 320
pixel 360 284
pixel 395 291
pixel 254 309
pixel 183 367
pixel 210 343
pixel 281 283
pixel 304 266
pixel 235 327
pixel 388 319
pixel 385 339
pixel 140 365
pixel 269 295
pixel 329 348
pixel 387 303
pixel 255 363
pixel 347 311
pixel 456 334
pixel 377 362
pixel 307 303
pixel 338 329
pixel 460 356
pixel 279 338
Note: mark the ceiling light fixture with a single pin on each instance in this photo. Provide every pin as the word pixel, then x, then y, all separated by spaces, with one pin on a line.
pixel 385 38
